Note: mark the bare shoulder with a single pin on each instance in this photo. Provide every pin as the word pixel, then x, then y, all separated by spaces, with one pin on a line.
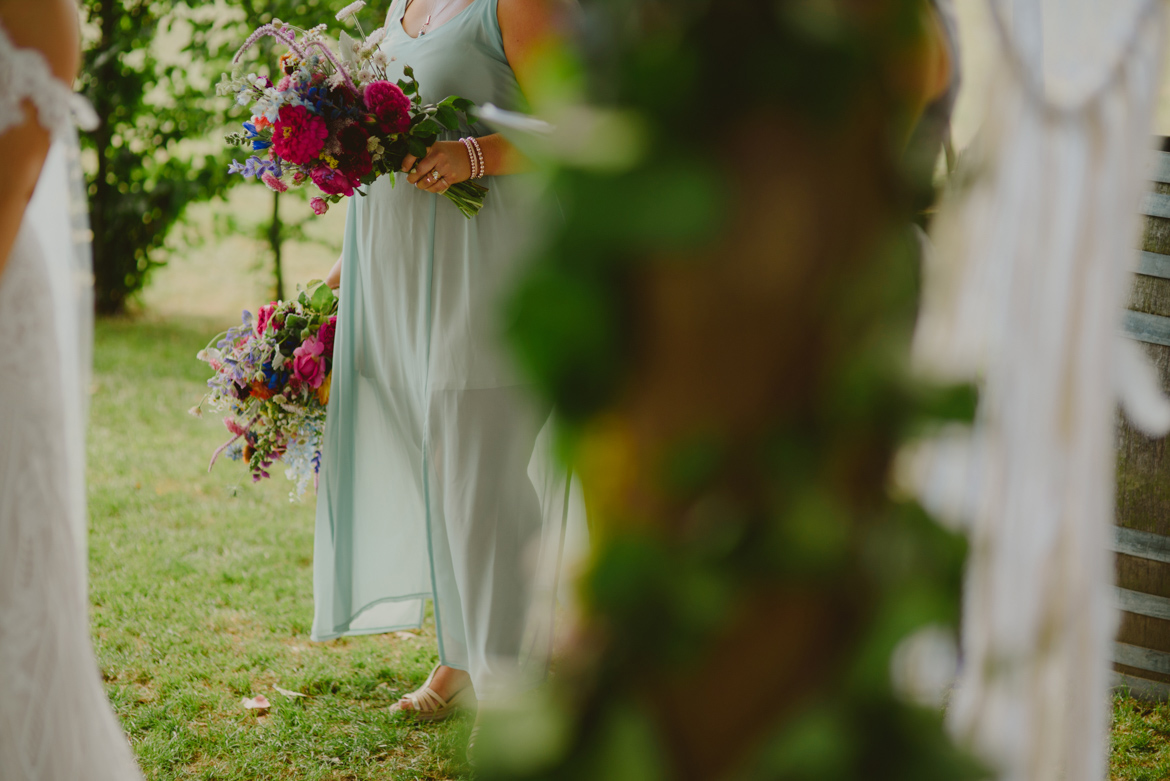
pixel 525 23
pixel 48 25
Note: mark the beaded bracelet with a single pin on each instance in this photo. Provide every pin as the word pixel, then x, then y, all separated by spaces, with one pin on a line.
pixel 472 157
pixel 475 154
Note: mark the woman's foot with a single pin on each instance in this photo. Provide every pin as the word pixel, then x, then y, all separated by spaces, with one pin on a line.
pixel 445 691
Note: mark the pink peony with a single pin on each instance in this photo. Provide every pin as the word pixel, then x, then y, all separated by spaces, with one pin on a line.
pixel 273 183
pixel 264 317
pixel 325 335
pixel 308 366
pixel 389 104
pixel 331 181
pixel 298 135
pixel 320 205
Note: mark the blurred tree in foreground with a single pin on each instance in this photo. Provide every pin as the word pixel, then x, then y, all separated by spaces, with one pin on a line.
pixel 724 321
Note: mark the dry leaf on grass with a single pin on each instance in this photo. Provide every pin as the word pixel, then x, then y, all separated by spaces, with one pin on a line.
pixel 258 703
pixel 288 693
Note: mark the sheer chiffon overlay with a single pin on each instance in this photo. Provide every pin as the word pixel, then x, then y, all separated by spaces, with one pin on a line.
pixel 438 478
pixel 55 720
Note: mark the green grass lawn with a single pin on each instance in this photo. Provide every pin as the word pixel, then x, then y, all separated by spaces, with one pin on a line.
pixel 1140 740
pixel 202 595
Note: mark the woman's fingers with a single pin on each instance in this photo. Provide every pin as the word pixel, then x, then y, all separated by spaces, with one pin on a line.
pixel 434 184
pixel 434 173
pixel 408 162
pixel 425 174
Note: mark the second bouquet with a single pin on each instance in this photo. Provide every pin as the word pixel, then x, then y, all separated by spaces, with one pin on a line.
pixel 337 121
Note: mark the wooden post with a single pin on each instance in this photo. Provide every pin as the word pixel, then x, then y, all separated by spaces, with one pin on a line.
pixel 1142 652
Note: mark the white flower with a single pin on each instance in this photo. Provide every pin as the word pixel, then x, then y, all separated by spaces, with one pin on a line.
pixel 376 37
pixel 350 10
pixel 375 148
pixel 379 59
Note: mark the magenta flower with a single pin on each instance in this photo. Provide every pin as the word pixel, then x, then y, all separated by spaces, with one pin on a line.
pixel 332 181
pixel 298 135
pixel 320 205
pixel 325 335
pixel 264 317
pixel 308 365
pixel 389 104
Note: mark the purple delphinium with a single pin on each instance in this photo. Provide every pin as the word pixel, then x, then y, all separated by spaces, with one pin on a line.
pixel 255 167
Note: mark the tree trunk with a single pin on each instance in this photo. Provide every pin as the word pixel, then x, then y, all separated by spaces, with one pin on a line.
pixel 276 241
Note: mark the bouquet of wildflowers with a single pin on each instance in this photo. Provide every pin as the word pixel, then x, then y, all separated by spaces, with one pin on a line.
pixel 272 378
pixel 337 121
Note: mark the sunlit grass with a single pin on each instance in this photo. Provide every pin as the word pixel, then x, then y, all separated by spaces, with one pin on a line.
pixel 202 592
pixel 1140 740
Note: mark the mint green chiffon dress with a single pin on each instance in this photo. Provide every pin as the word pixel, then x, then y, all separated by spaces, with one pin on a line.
pixel 437 476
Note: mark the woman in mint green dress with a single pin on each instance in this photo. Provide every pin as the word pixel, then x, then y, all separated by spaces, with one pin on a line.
pixel 437 480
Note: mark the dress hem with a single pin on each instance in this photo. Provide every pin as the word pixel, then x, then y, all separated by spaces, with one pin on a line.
pixel 347 632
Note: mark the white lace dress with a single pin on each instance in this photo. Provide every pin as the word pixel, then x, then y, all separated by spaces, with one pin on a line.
pixel 55 721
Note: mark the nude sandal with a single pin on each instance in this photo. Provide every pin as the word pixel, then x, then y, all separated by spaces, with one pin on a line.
pixel 427 705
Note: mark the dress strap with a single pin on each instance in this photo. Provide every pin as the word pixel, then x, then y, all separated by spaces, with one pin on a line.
pixel 391 18
pixel 25 75
pixel 490 10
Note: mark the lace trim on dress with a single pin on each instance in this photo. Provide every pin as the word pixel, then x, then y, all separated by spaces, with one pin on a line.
pixel 25 75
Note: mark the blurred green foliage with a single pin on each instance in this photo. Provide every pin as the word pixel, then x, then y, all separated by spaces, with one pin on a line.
pixel 791 510
pixel 149 70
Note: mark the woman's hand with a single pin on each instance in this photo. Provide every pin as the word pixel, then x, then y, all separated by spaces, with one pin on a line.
pixel 446 163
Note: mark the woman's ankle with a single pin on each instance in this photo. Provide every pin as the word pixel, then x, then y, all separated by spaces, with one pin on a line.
pixel 448 681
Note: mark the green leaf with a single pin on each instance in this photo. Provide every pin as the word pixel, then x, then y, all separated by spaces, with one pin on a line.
pixel 428 127
pixel 417 147
pixel 447 116
pixel 323 298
